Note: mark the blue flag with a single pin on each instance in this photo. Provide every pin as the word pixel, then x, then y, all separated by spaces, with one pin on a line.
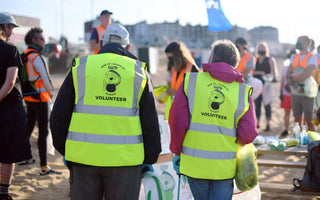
pixel 216 18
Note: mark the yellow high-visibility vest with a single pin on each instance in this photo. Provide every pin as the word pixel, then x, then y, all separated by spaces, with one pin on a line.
pixel 105 127
pixel 209 148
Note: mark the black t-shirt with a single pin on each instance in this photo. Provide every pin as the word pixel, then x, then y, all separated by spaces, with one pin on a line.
pixel 263 66
pixel 9 57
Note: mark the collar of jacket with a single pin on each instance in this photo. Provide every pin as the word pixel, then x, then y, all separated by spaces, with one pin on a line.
pixel 117 49
pixel 35 47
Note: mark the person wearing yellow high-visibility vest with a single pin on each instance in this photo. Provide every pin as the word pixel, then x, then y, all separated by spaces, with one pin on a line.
pixel 211 113
pixel 104 121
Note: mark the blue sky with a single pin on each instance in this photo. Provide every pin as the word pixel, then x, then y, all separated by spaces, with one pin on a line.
pixel 292 17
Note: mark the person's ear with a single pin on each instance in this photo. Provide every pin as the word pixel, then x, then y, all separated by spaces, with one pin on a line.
pixel 128 47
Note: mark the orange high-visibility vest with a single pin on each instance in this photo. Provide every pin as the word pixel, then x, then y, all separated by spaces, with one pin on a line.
pixel 303 62
pixel 39 84
pixel 176 82
pixel 242 64
pixel 100 31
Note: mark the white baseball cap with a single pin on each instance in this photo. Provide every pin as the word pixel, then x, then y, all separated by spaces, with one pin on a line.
pixel 6 18
pixel 116 33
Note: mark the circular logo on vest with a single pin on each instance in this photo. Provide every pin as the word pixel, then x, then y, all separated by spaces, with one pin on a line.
pixel 215 100
pixel 111 81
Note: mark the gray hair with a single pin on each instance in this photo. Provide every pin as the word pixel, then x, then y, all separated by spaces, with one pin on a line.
pixel 224 51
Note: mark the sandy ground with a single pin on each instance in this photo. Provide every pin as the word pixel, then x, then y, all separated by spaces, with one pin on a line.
pixel 27 184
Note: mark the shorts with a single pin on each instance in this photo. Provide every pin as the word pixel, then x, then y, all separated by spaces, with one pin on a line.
pixel 286 102
pixel 14 142
pixel 302 104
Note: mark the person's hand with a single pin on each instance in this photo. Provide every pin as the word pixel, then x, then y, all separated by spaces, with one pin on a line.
pixel 176 164
pixel 161 102
pixel 281 96
pixel 147 168
pixel 171 92
pixel 293 77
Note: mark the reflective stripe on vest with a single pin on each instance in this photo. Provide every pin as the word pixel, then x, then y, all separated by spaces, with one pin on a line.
pixel 104 139
pixel 92 109
pixel 31 73
pixel 216 155
pixel 175 84
pixel 106 134
pixel 208 127
pixel 209 150
pixel 35 76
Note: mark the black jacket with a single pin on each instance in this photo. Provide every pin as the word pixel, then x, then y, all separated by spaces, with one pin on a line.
pixel 64 103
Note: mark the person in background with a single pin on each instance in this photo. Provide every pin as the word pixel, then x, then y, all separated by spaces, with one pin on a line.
pixel 265 70
pixel 38 106
pixel 302 83
pixel 285 96
pixel 105 122
pixel 14 145
pixel 97 32
pixel 181 62
pixel 247 61
pixel 312 45
pixel 211 113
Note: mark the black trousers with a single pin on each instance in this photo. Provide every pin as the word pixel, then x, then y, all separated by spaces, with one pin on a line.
pixel 113 183
pixel 39 111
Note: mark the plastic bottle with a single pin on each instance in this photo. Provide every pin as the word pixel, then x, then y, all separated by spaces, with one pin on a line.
pixel 303 137
pixel 296 130
pixel 282 146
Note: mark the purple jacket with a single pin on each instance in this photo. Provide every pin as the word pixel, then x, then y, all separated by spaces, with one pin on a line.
pixel 179 112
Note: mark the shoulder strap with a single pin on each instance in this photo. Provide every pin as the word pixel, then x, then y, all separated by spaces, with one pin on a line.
pixel 45 67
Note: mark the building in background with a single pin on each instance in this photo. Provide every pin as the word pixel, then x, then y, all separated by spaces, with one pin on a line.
pixel 25 23
pixel 198 36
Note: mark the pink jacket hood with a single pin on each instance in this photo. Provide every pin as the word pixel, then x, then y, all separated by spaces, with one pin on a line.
pixel 223 72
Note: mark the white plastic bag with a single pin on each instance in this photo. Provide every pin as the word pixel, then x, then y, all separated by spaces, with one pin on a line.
pixel 151 187
pixel 267 93
pixel 257 86
pixel 50 147
pixel 253 194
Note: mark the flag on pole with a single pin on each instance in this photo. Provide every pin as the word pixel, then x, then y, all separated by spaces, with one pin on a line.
pixel 216 19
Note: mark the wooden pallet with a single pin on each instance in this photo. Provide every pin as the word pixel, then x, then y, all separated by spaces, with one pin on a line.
pixel 285 188
pixel 281 163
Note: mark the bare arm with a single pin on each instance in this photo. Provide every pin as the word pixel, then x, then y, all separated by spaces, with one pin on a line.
pixel 94 45
pixel 283 78
pixel 273 67
pixel 289 70
pixel 302 77
pixel 9 82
